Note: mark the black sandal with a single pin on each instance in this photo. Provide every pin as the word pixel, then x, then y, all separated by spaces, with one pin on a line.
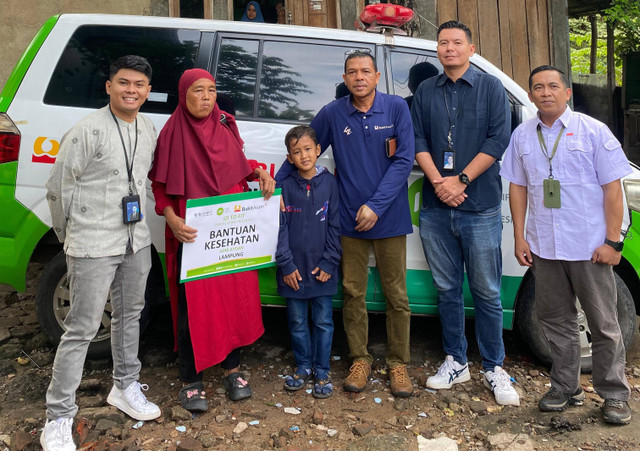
pixel 192 397
pixel 237 387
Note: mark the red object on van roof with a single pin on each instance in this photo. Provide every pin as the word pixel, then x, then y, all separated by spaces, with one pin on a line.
pixel 386 14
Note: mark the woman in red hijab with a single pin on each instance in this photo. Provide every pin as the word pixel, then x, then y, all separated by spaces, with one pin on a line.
pixel 200 154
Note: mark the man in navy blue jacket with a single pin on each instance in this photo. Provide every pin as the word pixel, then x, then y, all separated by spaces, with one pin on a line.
pixel 374 210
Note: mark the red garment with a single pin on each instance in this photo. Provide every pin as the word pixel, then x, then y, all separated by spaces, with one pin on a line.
pixel 224 311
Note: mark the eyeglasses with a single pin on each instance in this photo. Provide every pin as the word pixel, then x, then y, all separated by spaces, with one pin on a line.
pixel 357 52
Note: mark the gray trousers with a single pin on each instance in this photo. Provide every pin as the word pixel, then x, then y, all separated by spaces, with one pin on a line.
pixel 90 282
pixel 558 282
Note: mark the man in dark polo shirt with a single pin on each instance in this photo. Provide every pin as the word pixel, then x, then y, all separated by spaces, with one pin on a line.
pixel 374 210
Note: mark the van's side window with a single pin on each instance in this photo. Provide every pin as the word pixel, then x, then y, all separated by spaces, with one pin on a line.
pixel 298 79
pixel 295 79
pixel 79 76
pixel 410 69
pixel 237 73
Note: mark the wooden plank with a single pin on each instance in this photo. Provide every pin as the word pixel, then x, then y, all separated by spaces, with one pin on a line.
pixel 299 11
pixel 537 33
pixel 519 45
pixel 468 15
pixel 427 15
pixel 505 37
pixel 559 32
pixel 174 8
pixel 489 31
pixel 208 9
pixel 317 13
pixel 219 9
pixel 447 10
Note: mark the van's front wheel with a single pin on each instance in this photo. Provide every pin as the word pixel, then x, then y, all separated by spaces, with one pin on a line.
pixel 531 331
pixel 53 302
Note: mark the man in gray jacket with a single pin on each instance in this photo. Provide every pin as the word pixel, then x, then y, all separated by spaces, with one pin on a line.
pixel 96 194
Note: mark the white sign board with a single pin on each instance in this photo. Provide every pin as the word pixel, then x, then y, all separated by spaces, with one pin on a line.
pixel 236 232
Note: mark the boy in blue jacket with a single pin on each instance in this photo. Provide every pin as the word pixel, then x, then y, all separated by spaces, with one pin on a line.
pixel 307 258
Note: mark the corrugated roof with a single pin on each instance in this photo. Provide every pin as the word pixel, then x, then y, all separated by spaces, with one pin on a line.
pixel 580 8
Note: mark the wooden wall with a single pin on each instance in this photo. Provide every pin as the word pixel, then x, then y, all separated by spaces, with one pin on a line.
pixel 513 34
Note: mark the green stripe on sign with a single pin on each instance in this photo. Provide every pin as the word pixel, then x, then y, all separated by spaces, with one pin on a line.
pixel 205 201
pixel 228 266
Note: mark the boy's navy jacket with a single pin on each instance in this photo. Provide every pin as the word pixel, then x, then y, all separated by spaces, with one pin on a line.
pixel 309 234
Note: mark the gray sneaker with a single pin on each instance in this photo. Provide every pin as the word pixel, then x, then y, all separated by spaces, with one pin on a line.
pixel 616 411
pixel 555 401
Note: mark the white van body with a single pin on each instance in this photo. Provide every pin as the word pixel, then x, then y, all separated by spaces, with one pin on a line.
pixel 263 141
pixel 278 76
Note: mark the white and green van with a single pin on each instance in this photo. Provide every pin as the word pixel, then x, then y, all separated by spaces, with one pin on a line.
pixel 277 76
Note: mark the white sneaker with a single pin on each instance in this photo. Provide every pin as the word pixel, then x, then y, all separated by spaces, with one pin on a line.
pixel 56 435
pixel 449 373
pixel 133 402
pixel 499 382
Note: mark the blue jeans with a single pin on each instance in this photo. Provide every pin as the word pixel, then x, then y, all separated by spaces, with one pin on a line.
pixel 452 240
pixel 311 349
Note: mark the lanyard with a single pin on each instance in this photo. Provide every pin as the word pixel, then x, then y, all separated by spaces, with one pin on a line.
pixel 545 151
pixel 126 158
pixel 452 124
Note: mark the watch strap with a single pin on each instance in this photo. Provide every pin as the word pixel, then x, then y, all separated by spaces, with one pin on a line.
pixel 464 178
pixel 616 245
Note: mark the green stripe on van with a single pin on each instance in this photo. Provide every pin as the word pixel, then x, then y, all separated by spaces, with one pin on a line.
pixel 20 231
pixel 23 64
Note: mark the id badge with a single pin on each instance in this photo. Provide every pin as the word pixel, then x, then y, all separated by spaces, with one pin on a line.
pixel 551 189
pixel 131 209
pixel 448 160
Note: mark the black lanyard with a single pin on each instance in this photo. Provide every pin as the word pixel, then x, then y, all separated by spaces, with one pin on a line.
pixel 545 151
pixel 133 154
pixel 452 124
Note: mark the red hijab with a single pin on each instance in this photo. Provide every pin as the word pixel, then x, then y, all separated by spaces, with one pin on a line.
pixel 198 157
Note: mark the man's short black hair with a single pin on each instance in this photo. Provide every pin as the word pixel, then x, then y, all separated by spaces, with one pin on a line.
pixel 563 76
pixel 296 133
pixel 133 62
pixel 360 53
pixel 455 24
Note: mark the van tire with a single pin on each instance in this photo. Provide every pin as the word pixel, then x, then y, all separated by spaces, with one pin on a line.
pixel 530 329
pixel 52 306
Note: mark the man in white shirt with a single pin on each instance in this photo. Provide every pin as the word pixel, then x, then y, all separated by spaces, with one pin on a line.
pixel 566 168
pixel 96 183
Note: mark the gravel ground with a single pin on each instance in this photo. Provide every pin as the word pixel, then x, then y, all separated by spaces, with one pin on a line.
pixel 465 417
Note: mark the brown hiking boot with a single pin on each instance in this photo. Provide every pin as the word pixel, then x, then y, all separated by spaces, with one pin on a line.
pixel 401 385
pixel 358 374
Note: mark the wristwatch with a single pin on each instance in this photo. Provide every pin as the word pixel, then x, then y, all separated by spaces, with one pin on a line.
pixel 616 245
pixel 464 178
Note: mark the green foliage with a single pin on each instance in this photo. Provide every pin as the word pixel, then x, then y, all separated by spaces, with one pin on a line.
pixel 580 42
pixel 625 17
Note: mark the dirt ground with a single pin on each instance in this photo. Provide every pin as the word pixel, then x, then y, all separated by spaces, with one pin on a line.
pixel 371 420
